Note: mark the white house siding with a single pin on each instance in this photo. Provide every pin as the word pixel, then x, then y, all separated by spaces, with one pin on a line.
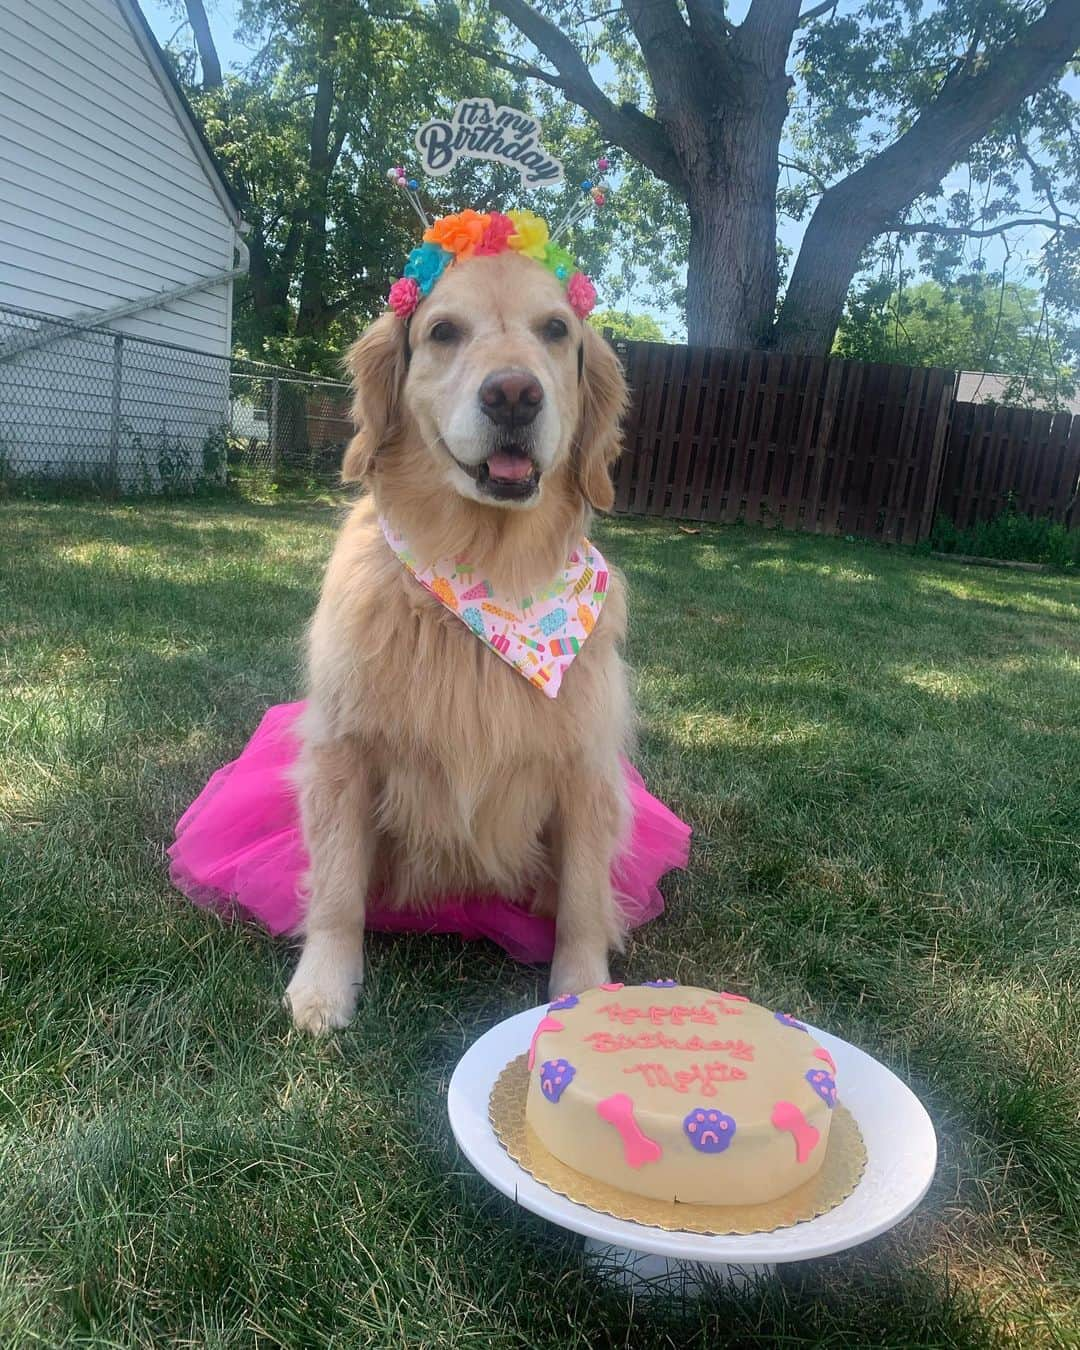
pixel 105 198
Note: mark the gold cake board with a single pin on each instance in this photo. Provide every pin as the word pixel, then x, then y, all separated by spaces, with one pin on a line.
pixel 845 1159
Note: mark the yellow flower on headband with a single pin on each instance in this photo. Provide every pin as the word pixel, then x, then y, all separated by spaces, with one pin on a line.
pixel 530 234
pixel 458 234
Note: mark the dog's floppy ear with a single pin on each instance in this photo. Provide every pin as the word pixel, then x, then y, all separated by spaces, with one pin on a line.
pixel 599 434
pixel 376 362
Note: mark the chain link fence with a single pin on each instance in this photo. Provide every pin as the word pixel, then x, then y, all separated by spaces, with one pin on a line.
pixel 98 408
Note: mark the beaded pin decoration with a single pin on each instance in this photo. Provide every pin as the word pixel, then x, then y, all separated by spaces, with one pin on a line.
pixel 465 234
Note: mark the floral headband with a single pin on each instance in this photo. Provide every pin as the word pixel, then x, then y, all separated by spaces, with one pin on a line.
pixel 467 234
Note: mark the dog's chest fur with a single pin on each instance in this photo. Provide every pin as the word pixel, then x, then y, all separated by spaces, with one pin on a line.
pixel 464 758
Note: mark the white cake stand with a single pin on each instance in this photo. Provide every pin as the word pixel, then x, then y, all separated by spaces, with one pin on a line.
pixel 901 1156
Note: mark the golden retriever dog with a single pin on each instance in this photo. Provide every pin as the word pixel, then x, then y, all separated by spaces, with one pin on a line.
pixel 486 430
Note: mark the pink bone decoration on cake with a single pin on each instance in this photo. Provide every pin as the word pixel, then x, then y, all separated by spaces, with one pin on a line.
pixel 638 1148
pixel 819 1053
pixel 545 1024
pixel 787 1116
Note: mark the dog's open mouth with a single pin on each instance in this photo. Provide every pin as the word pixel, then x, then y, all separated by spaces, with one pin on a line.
pixel 508 474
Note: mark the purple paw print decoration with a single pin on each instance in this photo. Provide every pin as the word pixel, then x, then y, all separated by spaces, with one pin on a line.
pixel 555 1076
pixel 562 1002
pixel 709 1131
pixel 824 1084
pixel 789 1021
pixel 661 984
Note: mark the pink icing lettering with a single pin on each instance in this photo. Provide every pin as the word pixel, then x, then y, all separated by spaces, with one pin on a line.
pixel 677 1015
pixel 545 1024
pixel 824 1054
pixel 638 1149
pixel 609 1043
pixel 610 988
pixel 787 1116
pixel 656 1075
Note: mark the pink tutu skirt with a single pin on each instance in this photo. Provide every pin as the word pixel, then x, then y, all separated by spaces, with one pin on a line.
pixel 238 849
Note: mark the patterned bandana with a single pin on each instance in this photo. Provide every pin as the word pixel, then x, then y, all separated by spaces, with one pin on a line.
pixel 540 635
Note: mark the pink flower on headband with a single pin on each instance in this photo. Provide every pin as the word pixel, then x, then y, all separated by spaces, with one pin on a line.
pixel 404 296
pixel 581 294
pixel 499 230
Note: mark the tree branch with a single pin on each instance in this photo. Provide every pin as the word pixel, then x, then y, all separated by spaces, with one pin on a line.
pixel 970 104
pixel 815 12
pixel 708 25
pixel 511 64
pixel 819 182
pixel 1040 179
pixel 667 48
pixel 204 41
pixel 963 231
pixel 868 202
pixel 623 125
pixel 766 32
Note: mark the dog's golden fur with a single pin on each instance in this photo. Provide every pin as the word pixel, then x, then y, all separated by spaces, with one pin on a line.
pixel 429 767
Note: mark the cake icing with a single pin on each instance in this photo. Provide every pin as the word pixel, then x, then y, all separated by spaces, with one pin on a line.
pixel 678 1093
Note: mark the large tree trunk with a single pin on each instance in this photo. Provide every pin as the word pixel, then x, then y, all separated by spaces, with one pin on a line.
pixel 732 273
pixel 832 248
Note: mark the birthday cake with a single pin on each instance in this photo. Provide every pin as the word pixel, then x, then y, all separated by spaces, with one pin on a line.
pixel 680 1094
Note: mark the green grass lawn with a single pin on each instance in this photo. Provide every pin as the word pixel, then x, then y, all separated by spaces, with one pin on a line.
pixel 880 757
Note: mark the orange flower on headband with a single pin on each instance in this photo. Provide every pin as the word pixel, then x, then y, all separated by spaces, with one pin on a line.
pixel 530 234
pixel 458 234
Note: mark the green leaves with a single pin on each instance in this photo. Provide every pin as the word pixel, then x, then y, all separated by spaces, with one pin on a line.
pixel 328 235
pixel 972 323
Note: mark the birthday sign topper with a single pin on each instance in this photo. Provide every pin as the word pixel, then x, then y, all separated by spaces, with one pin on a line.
pixel 480 130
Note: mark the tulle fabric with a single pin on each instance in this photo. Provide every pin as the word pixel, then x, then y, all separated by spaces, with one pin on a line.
pixel 238 849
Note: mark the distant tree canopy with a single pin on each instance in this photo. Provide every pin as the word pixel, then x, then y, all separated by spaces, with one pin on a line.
pixel 849 114
pixel 634 327
pixel 306 133
pixel 972 325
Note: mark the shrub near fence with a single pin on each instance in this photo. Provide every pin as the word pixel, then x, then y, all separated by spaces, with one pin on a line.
pixel 832 446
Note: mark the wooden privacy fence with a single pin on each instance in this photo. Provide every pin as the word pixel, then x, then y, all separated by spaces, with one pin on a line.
pixel 812 444
pixel 1000 457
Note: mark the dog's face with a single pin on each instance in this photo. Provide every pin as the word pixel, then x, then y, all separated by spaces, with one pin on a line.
pixel 493 378
pixel 501 381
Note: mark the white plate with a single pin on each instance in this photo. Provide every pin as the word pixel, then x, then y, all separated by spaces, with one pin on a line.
pixel 900 1144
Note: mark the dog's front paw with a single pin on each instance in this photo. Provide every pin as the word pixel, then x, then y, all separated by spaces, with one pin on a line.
pixel 574 972
pixel 322 993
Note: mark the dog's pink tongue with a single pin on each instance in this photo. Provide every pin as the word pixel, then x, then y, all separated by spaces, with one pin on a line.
pixel 510 468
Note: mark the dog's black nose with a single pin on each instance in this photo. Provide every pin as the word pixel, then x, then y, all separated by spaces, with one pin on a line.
pixel 511 398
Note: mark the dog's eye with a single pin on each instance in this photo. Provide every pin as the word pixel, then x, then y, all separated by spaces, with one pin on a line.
pixel 444 331
pixel 555 329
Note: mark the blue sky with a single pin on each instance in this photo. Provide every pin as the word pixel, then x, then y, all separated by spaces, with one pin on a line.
pixel 1025 244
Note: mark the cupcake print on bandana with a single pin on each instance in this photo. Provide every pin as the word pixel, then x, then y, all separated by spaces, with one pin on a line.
pixel 539 635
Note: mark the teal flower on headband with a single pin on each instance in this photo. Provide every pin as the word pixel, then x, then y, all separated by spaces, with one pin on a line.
pixel 426 265
pixel 557 260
